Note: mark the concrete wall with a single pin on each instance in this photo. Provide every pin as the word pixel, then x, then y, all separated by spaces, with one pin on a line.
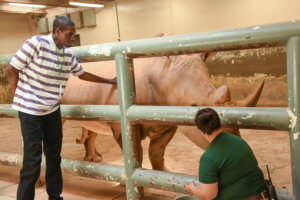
pixel 145 18
pixel 14 30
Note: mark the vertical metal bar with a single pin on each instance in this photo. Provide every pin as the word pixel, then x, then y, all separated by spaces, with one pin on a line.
pixel 127 97
pixel 293 72
pixel 118 24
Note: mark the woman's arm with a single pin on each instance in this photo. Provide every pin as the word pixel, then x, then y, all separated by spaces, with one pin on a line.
pixel 97 79
pixel 204 191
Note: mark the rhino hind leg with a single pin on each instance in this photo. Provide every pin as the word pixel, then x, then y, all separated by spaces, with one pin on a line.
pixel 91 155
pixel 158 146
pixel 84 136
pixel 234 131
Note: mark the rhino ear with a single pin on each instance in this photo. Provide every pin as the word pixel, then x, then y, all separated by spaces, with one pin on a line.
pixel 204 56
pixel 159 35
pixel 163 34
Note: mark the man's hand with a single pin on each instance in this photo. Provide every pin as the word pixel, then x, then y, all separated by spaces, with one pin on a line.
pixel 114 80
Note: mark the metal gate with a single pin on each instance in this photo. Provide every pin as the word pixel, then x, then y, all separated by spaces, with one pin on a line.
pixel 135 178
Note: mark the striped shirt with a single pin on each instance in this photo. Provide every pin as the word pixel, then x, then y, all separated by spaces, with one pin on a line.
pixel 43 75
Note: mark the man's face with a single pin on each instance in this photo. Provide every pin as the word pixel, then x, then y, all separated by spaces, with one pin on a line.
pixel 67 36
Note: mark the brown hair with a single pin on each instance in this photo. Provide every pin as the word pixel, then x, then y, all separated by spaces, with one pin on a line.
pixel 207 120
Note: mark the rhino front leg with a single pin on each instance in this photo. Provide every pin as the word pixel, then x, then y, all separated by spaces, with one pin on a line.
pixel 136 136
pixel 91 154
pixel 116 129
pixel 157 147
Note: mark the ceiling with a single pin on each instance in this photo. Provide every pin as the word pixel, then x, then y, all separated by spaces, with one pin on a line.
pixel 4 7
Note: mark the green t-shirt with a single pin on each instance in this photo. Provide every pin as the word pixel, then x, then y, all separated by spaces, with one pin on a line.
pixel 230 161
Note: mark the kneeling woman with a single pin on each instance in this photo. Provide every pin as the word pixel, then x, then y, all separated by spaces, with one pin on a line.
pixel 228 168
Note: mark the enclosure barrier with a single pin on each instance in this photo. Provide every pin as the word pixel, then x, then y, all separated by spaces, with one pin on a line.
pixel 129 114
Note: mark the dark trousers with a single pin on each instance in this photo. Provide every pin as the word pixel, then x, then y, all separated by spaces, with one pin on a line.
pixel 41 132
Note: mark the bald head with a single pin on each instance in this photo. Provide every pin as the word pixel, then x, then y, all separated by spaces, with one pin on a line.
pixel 62 23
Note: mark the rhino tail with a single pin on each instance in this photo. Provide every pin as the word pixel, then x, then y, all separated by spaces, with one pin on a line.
pixel 252 99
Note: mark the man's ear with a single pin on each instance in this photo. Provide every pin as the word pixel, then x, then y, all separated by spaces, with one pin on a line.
pixel 57 32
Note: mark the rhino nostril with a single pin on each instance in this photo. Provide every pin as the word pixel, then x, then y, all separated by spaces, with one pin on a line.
pixel 193 104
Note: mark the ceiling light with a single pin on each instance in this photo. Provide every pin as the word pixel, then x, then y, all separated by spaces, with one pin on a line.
pixel 86 4
pixel 27 5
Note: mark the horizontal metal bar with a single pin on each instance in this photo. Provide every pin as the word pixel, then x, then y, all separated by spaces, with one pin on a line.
pixel 175 182
pixel 5 59
pixel 264 118
pixel 142 177
pixel 246 117
pixel 100 112
pixel 82 112
pixel 79 168
pixel 283 194
pixel 243 38
pixel 250 37
pixel 162 180
pixel 7 111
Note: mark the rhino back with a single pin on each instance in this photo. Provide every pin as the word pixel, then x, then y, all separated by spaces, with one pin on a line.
pixel 84 92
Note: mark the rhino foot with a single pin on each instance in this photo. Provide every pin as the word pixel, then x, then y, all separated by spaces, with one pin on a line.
pixel 94 158
pixel 97 157
pixel 164 168
pixel 91 153
pixel 41 180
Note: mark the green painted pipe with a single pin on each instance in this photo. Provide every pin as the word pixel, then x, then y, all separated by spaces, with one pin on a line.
pixel 142 177
pixel 79 168
pixel 269 118
pixel 162 180
pixel 76 112
pixel 5 59
pixel 293 72
pixel 263 118
pixel 130 137
pixel 7 111
pixel 103 112
pixel 250 37
pixel 243 38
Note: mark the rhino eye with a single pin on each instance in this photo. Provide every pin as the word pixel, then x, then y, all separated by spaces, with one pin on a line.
pixel 193 104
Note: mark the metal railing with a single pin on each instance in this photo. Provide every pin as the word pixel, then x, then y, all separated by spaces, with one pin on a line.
pixel 135 178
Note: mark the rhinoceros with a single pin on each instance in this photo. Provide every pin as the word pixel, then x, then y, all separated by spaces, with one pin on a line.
pixel 181 80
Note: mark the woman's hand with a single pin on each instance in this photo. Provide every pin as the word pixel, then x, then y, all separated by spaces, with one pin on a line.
pixel 190 187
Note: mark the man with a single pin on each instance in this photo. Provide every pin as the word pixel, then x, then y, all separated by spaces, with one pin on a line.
pixel 228 168
pixel 37 75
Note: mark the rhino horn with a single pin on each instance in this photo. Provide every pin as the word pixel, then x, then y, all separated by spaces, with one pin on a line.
pixel 221 95
pixel 253 98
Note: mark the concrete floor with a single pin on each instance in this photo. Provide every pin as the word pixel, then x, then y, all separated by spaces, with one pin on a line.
pixel 76 188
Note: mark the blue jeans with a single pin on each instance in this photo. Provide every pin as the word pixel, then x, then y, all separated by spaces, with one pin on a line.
pixel 41 133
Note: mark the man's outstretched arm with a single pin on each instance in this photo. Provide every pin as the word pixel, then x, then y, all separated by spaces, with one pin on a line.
pixel 97 79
